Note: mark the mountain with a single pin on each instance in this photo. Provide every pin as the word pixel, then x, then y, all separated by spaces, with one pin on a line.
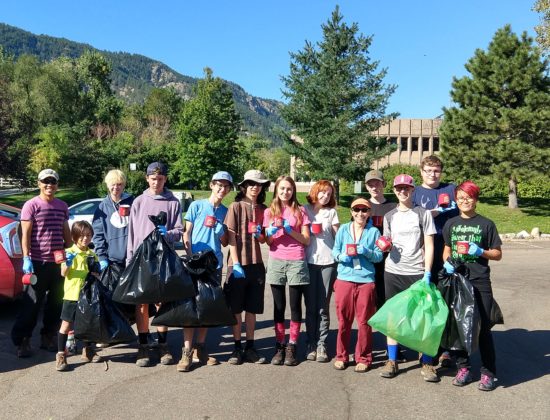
pixel 134 76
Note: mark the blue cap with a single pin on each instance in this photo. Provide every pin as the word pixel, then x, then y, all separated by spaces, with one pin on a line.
pixel 222 175
pixel 157 168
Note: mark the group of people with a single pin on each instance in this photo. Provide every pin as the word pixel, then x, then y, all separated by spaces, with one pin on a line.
pixel 308 250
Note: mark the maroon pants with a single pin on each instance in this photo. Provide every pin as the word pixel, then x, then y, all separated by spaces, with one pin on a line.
pixel 354 301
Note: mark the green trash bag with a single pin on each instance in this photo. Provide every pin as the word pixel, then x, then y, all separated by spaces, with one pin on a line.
pixel 414 318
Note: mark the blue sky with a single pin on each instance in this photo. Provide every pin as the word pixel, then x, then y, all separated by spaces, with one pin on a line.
pixel 422 43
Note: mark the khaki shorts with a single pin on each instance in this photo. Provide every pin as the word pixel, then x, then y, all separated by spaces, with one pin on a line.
pixel 291 272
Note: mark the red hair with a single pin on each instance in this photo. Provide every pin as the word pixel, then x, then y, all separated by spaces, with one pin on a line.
pixel 321 185
pixel 470 188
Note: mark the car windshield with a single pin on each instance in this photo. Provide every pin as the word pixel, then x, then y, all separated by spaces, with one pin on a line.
pixel 12 213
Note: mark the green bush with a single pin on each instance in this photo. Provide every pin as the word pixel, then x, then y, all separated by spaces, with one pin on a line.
pixel 390 172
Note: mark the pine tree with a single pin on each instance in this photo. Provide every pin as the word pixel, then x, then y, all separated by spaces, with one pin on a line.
pixel 499 125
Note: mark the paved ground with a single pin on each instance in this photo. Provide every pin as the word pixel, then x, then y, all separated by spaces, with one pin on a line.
pixel 33 389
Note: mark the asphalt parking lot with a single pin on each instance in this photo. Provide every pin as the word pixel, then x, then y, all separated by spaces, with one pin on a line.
pixel 32 388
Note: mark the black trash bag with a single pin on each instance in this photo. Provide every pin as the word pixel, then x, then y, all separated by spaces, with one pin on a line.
pixel 110 278
pixel 496 316
pixel 97 317
pixel 155 273
pixel 181 313
pixel 463 324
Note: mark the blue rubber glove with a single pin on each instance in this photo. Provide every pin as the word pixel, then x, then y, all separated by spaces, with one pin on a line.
pixel 103 264
pixel 258 232
pixel 69 257
pixel 287 227
pixel 450 207
pixel 449 269
pixel 271 230
pixel 361 250
pixel 27 265
pixel 475 250
pixel 162 230
pixel 218 229
pixel 238 271
pixel 345 258
pixel 427 277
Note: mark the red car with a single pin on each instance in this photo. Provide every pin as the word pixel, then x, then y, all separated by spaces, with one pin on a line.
pixel 11 254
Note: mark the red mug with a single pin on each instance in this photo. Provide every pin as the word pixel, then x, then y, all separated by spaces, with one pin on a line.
pixel 443 200
pixel 209 221
pixel 377 221
pixel 278 221
pixel 316 228
pixel 29 279
pixel 351 250
pixel 462 247
pixel 252 227
pixel 59 256
pixel 124 210
pixel 384 243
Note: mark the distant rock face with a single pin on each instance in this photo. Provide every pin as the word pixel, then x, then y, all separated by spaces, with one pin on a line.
pixel 260 106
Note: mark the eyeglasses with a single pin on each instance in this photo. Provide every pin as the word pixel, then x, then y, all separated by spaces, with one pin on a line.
pixel 49 181
pixel 360 209
pixel 432 172
pixel 221 185
pixel 463 199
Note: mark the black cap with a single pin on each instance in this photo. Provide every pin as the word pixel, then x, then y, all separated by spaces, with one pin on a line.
pixel 157 168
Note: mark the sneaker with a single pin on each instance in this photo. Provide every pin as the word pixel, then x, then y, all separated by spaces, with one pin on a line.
pixel 445 360
pixel 361 367
pixel 61 362
pixel 184 365
pixel 200 355
pixel 48 342
pixel 165 355
pixel 428 373
pixel 279 356
pixel 340 365
pixel 463 377
pixel 322 356
pixel 142 358
pixel 487 383
pixel 236 357
pixel 290 355
pixel 252 356
pixel 24 349
pixel 390 369
pixel 90 355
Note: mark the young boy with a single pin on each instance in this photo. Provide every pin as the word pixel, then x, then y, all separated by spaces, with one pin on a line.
pixel 155 199
pixel 202 235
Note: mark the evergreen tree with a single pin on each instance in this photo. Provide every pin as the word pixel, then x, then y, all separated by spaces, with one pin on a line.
pixel 499 125
pixel 336 99
pixel 543 29
pixel 206 133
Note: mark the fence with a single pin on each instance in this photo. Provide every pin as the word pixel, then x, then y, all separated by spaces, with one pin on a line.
pixel 10 183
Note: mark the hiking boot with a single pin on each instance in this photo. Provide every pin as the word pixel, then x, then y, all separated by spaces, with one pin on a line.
pixel 61 362
pixel 322 356
pixel 142 358
pixel 90 355
pixel 389 370
pixel 24 348
pixel 184 365
pixel 487 383
pixel 361 367
pixel 340 365
pixel 252 356
pixel 236 357
pixel 290 355
pixel 279 356
pixel 445 360
pixel 165 355
pixel 463 377
pixel 48 342
pixel 429 374
pixel 200 355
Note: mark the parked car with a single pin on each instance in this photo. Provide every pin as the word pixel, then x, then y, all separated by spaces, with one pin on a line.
pixel 11 253
pixel 83 210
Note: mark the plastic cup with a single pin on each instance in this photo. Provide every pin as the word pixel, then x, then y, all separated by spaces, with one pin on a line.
pixel 443 200
pixel 278 221
pixel 29 279
pixel 351 250
pixel 124 210
pixel 377 221
pixel 252 227
pixel 209 221
pixel 462 247
pixel 384 243
pixel 316 228
pixel 59 256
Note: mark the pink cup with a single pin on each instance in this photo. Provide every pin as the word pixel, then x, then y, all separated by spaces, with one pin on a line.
pixel 384 243
pixel 59 256
pixel 377 221
pixel 278 221
pixel 124 210
pixel 316 228
pixel 209 221
pixel 252 227
pixel 351 250
pixel 29 279
pixel 444 200
pixel 462 247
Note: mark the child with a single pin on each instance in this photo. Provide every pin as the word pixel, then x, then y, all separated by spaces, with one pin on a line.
pixel 287 230
pixel 200 235
pixel 75 270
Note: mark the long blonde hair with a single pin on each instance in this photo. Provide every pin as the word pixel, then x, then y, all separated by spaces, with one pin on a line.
pixel 276 206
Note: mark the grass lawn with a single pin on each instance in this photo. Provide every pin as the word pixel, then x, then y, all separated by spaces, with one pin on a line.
pixel 532 213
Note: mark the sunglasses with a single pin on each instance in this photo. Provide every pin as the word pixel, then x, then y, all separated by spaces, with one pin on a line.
pixel 360 209
pixel 49 181
pixel 253 184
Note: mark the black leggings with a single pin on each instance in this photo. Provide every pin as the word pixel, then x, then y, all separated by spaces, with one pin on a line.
pixel 295 294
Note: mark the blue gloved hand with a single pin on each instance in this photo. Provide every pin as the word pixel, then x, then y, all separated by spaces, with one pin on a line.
pixel 238 271
pixel 287 227
pixel 27 265
pixel 449 269
pixel 450 207
pixel 427 277
pixel 162 230
pixel 103 264
pixel 218 229
pixel 363 251
pixel 258 232
pixel 271 230
pixel 474 249
pixel 69 257
pixel 345 258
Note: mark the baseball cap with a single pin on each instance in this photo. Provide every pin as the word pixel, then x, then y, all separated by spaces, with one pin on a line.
pixel 403 179
pixel 360 202
pixel 374 174
pixel 48 173
pixel 256 176
pixel 222 176
pixel 157 168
